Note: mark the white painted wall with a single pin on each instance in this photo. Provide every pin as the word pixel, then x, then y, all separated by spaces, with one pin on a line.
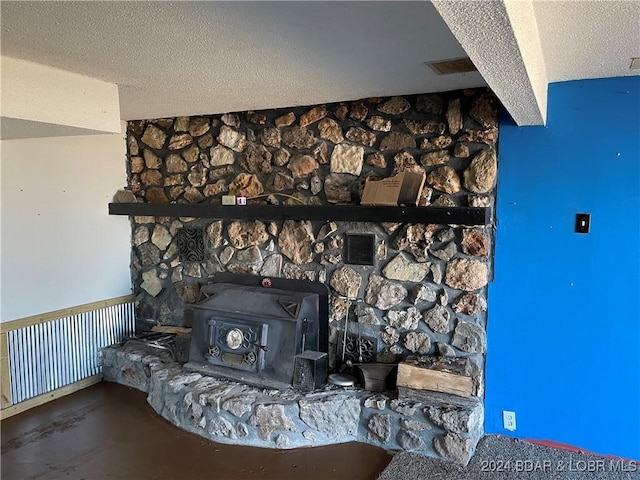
pixel 59 246
pixel 1 215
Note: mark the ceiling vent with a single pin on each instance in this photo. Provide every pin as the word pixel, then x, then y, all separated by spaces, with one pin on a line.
pixel 454 65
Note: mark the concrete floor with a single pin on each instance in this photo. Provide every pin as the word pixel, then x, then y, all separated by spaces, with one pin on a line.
pixel 109 432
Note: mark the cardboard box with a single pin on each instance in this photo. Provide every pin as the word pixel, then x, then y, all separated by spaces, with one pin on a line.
pixel 403 189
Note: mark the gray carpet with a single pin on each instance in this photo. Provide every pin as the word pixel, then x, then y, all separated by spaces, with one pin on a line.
pixel 502 458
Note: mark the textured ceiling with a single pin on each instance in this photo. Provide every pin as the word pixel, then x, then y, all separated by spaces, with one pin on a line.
pixel 505 48
pixel 588 39
pixel 185 58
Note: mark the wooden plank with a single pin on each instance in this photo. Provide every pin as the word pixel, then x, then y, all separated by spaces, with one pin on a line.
pixel 419 378
pixel 48 397
pixel 65 312
pixel 5 376
pixel 457 365
pixel 345 213
pixel 170 329
pixel 427 397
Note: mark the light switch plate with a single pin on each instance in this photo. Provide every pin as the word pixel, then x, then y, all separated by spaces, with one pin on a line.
pixel 583 222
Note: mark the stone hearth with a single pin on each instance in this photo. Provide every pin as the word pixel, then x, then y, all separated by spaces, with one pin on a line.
pixel 228 412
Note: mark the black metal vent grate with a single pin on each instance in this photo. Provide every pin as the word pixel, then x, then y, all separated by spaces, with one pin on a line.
pixel 191 244
pixel 358 348
pixel 360 249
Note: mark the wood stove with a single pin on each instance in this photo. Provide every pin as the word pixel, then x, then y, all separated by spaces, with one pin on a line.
pixel 260 331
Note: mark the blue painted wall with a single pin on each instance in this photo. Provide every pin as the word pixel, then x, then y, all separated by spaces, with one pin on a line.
pixel 564 308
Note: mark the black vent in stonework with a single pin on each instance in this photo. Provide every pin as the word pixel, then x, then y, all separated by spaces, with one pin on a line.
pixel 191 244
pixel 358 348
pixel 359 249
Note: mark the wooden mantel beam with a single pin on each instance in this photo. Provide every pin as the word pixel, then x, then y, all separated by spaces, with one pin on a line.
pixel 343 213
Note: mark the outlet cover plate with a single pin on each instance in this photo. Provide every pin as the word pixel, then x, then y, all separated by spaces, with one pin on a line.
pixel 509 420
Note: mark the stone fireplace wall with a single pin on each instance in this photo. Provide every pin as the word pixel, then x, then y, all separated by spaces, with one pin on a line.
pixel 426 293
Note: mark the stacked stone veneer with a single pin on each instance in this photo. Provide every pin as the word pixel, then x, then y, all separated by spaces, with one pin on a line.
pixel 229 412
pixel 426 293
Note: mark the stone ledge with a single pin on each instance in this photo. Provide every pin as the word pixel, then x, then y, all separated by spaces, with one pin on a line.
pixel 228 412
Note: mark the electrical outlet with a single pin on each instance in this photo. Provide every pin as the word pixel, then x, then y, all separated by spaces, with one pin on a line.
pixel 509 420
